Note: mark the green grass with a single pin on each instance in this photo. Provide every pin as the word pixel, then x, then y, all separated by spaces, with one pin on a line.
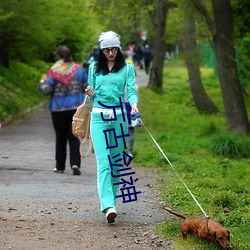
pixel 19 87
pixel 214 164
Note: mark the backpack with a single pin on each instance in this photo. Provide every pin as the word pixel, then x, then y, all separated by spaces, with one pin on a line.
pixel 81 125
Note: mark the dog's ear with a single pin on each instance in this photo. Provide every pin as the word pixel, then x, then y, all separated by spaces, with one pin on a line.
pixel 214 235
pixel 228 237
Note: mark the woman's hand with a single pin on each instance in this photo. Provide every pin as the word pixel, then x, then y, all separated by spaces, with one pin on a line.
pixel 134 109
pixel 90 91
pixel 43 79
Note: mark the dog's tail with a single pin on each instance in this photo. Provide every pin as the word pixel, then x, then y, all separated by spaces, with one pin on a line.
pixel 175 213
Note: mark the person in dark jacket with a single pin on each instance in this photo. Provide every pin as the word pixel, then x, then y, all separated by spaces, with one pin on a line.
pixel 147 54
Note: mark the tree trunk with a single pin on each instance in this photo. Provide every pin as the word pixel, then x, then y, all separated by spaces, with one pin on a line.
pixel 223 38
pixel 235 109
pixel 159 47
pixel 201 99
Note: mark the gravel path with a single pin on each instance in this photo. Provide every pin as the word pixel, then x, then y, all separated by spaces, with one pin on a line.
pixel 43 210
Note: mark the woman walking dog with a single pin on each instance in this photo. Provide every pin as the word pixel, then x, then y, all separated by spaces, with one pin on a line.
pixel 108 78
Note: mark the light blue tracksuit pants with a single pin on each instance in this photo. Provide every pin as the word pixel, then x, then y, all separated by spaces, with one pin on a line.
pixel 106 190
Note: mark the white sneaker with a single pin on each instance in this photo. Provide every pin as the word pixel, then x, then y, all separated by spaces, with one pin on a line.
pixel 58 171
pixel 111 214
pixel 130 154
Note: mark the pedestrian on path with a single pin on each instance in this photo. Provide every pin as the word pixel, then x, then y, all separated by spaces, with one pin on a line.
pixel 108 77
pixel 147 54
pixel 65 84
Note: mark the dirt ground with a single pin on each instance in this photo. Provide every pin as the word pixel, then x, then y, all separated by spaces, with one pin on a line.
pixel 40 209
pixel 33 220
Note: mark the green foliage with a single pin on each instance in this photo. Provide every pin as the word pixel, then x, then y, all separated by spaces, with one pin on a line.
pixel 175 25
pixel 128 18
pixel 29 33
pixel 243 59
pixel 231 146
pixel 241 17
pixel 219 183
pixel 19 87
pixel 175 28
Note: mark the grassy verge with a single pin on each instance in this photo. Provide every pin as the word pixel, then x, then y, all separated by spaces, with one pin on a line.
pixel 214 164
pixel 19 88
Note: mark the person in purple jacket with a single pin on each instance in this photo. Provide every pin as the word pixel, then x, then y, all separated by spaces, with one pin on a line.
pixel 65 83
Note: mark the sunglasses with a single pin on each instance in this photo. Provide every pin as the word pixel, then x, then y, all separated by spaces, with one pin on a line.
pixel 106 51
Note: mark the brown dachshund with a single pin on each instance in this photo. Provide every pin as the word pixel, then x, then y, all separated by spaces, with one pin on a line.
pixel 204 229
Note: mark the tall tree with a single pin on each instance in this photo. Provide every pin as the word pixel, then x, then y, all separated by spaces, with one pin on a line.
pixel 201 99
pixel 223 38
pixel 159 46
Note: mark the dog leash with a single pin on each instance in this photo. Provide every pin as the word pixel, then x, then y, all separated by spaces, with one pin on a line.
pixel 174 170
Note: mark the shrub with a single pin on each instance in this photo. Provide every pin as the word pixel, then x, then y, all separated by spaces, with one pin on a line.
pixel 231 146
pixel 223 200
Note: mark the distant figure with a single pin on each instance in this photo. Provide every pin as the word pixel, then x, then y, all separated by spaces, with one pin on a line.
pixel 130 52
pixel 93 55
pixel 65 84
pixel 138 56
pixel 147 54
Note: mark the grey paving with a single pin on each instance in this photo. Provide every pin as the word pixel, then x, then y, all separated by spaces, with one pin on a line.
pixel 28 183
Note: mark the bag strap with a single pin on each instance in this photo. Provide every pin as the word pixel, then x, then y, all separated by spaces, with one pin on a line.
pixel 85 139
pixel 91 148
pixel 85 99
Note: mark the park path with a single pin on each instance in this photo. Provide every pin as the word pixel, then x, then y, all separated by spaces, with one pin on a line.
pixel 43 210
